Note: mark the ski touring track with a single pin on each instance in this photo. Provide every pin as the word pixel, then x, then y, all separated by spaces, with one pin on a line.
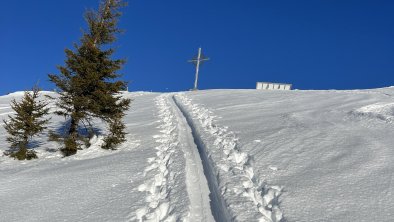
pixel 232 174
pixel 161 202
pixel 213 186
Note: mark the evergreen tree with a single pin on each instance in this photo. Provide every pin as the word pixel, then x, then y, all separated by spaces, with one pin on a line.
pixel 117 135
pixel 88 82
pixel 28 121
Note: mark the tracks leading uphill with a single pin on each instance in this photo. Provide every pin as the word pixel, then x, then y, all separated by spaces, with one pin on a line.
pixel 217 205
pixel 164 191
pixel 158 188
pixel 196 182
pixel 219 178
pixel 231 176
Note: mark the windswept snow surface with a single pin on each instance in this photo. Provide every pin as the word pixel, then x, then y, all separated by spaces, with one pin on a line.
pixel 224 155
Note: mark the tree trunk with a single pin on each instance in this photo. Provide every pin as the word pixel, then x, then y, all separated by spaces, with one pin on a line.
pixel 73 127
pixel 70 142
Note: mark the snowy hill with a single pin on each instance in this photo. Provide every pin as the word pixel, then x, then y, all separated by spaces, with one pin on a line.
pixel 224 155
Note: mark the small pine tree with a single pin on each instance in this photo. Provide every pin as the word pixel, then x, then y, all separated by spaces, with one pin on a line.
pixel 28 121
pixel 87 83
pixel 117 135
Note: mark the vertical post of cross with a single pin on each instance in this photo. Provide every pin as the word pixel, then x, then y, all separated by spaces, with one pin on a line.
pixel 197 68
pixel 199 59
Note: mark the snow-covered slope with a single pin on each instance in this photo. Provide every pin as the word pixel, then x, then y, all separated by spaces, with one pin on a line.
pixel 224 155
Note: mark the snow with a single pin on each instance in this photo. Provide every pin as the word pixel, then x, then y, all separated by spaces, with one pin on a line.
pixel 224 155
pixel 237 166
pixel 383 111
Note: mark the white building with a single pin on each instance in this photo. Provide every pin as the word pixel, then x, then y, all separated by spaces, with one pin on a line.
pixel 273 86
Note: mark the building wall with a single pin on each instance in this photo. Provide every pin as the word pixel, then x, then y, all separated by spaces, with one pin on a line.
pixel 273 86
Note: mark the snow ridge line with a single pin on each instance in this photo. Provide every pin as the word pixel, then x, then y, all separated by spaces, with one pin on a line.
pixel 264 196
pixel 158 189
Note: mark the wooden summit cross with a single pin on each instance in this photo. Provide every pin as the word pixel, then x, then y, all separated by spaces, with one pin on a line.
pixel 197 60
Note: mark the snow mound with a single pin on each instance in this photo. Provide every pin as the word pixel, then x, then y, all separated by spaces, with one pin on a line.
pixel 21 93
pixel 383 111
pixel 14 94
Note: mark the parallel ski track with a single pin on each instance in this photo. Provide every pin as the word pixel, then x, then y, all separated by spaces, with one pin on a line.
pixel 235 163
pixel 218 205
pixel 175 137
pixel 196 182
pixel 182 126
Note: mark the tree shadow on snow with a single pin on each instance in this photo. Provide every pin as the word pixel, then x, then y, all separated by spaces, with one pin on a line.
pixel 85 131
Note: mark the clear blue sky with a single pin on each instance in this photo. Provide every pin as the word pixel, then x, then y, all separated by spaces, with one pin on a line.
pixel 314 44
